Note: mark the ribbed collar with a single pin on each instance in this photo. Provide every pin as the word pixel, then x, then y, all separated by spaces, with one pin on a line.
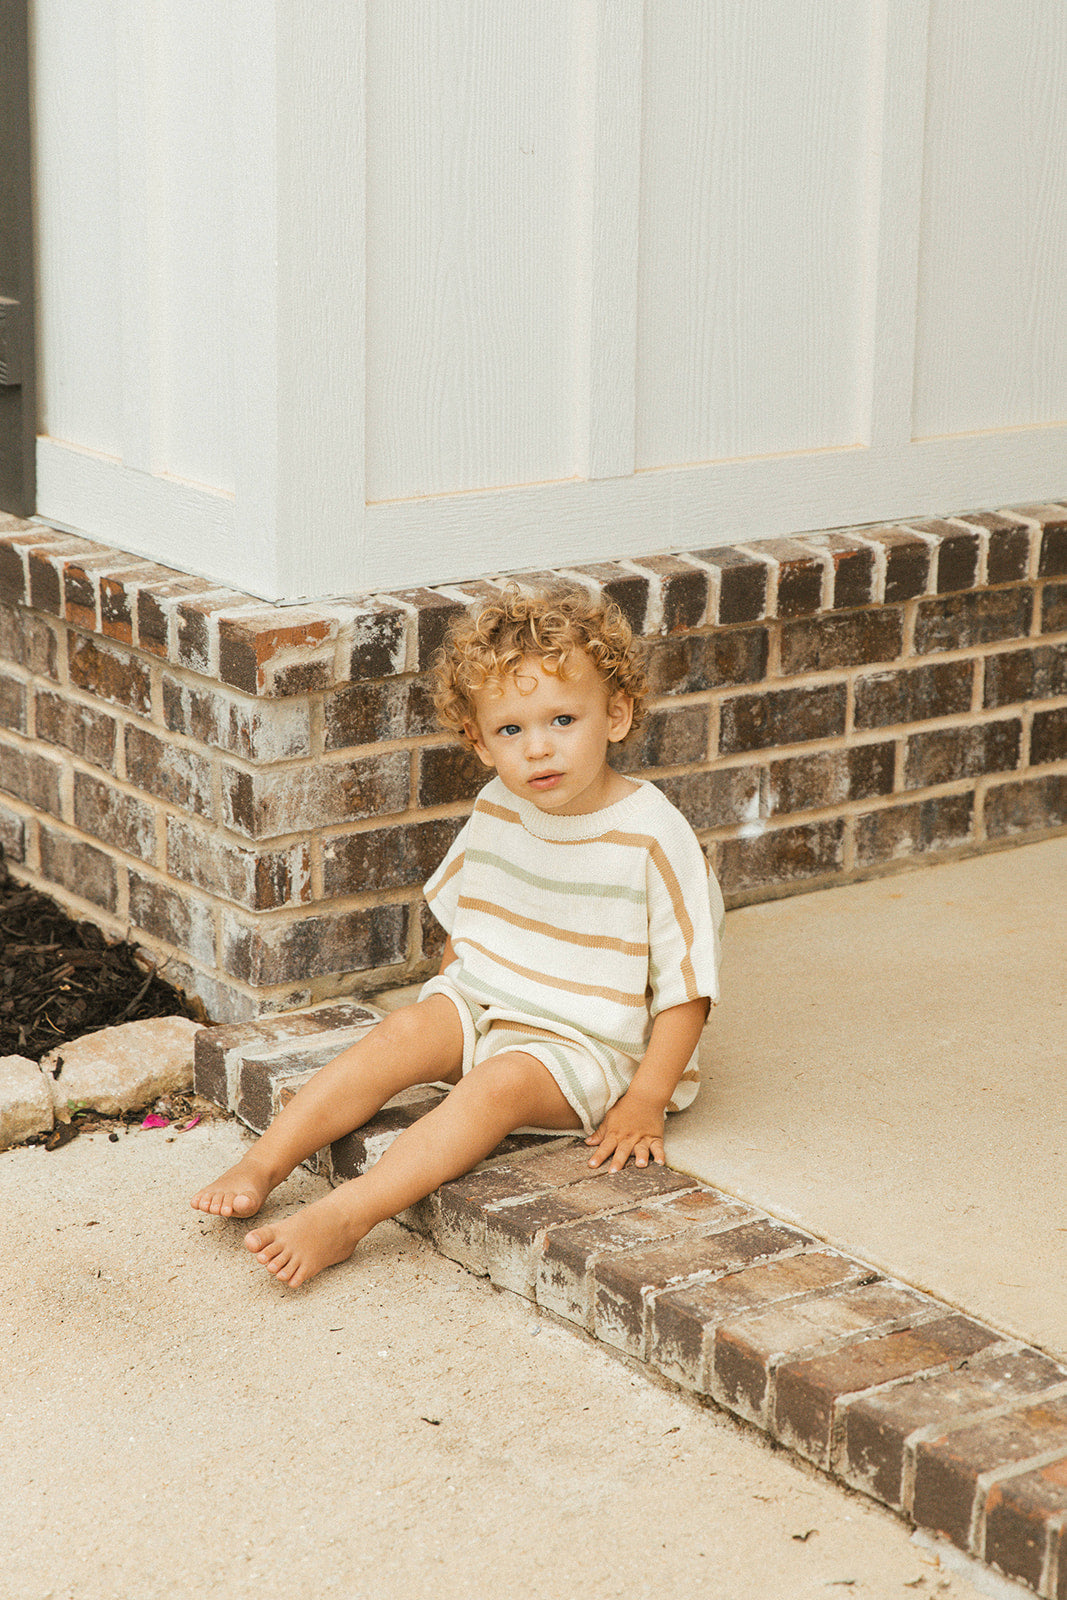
pixel 571 830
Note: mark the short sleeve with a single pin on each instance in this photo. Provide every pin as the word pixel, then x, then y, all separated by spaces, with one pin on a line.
pixel 442 890
pixel 685 922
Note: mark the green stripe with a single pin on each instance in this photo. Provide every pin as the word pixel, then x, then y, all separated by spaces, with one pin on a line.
pixel 597 891
pixel 521 1004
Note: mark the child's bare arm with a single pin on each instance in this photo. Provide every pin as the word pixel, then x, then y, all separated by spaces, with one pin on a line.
pixel 634 1125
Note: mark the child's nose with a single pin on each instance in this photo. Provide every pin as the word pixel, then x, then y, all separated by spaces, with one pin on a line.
pixel 537 743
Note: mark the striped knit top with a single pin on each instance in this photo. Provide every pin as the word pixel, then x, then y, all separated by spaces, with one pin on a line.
pixel 591 923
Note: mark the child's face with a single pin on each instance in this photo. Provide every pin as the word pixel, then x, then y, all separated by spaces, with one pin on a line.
pixel 548 735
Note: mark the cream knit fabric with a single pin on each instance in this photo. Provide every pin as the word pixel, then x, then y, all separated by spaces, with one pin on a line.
pixel 586 925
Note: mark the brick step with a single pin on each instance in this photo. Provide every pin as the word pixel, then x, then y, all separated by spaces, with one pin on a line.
pixel 940 1417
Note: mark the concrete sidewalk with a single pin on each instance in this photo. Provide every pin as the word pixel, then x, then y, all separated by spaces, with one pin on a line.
pixel 888 1070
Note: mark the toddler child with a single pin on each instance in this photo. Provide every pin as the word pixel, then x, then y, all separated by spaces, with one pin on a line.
pixel 582 952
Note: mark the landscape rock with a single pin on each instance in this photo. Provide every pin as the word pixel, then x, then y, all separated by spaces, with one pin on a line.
pixel 119 1069
pixel 25 1101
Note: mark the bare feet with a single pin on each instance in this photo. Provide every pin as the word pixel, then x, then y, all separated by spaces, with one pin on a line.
pixel 319 1236
pixel 238 1193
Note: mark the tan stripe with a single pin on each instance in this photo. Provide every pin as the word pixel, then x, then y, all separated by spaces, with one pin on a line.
pixel 528 1030
pixel 457 866
pixel 674 890
pixel 616 996
pixel 591 941
pixel 502 812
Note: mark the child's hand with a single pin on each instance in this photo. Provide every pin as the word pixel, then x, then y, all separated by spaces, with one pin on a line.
pixel 633 1127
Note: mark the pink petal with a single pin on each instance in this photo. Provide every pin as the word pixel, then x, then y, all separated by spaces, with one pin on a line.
pixel 154 1121
pixel 190 1124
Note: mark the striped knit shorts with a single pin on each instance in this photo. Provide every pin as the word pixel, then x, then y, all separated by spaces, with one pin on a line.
pixel 590 1075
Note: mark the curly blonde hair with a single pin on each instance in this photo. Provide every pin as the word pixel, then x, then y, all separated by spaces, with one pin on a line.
pixel 490 644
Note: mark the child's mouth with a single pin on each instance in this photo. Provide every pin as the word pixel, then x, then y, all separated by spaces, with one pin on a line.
pixel 546 780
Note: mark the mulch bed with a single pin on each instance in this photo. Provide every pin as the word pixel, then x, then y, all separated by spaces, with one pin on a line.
pixel 60 978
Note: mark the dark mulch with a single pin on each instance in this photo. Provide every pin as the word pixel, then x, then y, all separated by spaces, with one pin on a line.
pixel 60 978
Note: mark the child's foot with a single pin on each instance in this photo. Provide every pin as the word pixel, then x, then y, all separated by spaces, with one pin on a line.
pixel 299 1247
pixel 238 1193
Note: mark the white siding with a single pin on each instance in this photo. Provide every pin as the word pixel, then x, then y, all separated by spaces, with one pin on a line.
pixel 340 295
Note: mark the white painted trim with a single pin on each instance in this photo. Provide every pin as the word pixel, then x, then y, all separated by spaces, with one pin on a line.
pixel 141 193
pixel 898 113
pixel 609 208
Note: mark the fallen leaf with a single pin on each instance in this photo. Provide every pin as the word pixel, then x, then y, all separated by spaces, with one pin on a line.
pixel 152 1121
pixel 190 1124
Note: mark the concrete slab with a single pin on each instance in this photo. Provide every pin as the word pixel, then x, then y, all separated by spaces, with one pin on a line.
pixel 176 1424
pixel 887 1069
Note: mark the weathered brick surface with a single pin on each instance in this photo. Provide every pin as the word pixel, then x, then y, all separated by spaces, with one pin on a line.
pixel 263 805
pixel 781 855
pixel 379 642
pixel 846 639
pixel 626 1286
pixel 259 731
pixel 958 551
pixel 1007 545
pixel 948 1469
pixel 716 798
pixel 914 694
pixel 1025 1523
pixel 782 717
pixel 434 614
pixel 357 1151
pixel 13 703
pixel 880 1428
pixel 114 816
pixel 386 858
pixel 111 674
pixel 1051 521
pixel 907 562
pixel 448 772
pixel 369 713
pixel 852 568
pixel 628 589
pixel 261 879
pixel 690 663
pixel 966 621
pixel 800 576
pixel 666 739
pixel 1014 676
pixel 944 754
pixel 172 915
pixel 750 1349
pixel 31 777
pixel 1054 608
pixel 681 592
pixel 349 942
pixel 28 641
pixel 742 584
pixel 810 1393
pixel 460 1207
pixel 79 867
pixel 1026 807
pixel 683 1321
pixel 76 726
pixel 1048 737
pixel 250 644
pixel 809 783
pixel 167 771
pixel 219 1052
pixel 896 832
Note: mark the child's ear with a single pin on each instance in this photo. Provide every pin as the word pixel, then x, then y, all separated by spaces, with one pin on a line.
pixel 471 730
pixel 620 715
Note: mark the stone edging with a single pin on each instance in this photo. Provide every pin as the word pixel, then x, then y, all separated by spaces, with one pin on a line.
pixel 958 1428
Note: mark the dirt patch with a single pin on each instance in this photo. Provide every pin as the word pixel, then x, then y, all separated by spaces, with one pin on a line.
pixel 60 978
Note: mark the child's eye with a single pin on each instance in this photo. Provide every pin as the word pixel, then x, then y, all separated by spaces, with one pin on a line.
pixel 508 730
pixel 564 720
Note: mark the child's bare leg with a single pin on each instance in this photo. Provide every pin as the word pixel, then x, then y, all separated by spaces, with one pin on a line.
pixel 420 1044
pixel 506 1092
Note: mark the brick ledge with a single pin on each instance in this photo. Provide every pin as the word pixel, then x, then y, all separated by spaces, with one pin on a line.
pixel 957 1428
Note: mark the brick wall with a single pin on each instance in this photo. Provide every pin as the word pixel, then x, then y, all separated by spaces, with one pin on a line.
pixel 256 793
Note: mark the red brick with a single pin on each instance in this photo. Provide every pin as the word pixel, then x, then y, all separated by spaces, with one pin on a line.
pixel 672 738
pixel 963 621
pixel 781 855
pixel 628 589
pixel 626 1286
pixel 157 603
pixel 800 576
pixel 715 798
pixel 943 755
pixel 109 674
pixel 352 1155
pixel 168 771
pixel 258 880
pixel 878 1428
pixel 219 1052
pixel 1054 608
pixel 782 717
pixel 1008 545
pixel 1015 676
pixel 114 816
pixel 742 584
pixel 13 703
pixel 907 562
pixel 854 638
pixel 45 585
pixel 250 643
pixel 958 550
pixel 118 597
pixel 682 592
pixel 682 1333
pixel 372 713
pixel 379 641
pixel 173 916
pixel 13 834
pixel 194 637
pixel 257 730
pixel 347 942
pixel 565 1280
pixel 811 1394
pixel 690 663
pixel 749 1349
pixel 321 795
pixel 811 783
pixel 79 867
pixel 28 641
pixel 434 613
pixel 13 569
pixel 1052 524
pixel 514 1234
pixel 914 694
pixel 386 858
pixel 852 568
pixel 80 728
pixel 1048 737
pixel 947 1469
pixel 1024 1516
pixel 941 823
pixel 448 772
pixel 1030 806
pixel 31 777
